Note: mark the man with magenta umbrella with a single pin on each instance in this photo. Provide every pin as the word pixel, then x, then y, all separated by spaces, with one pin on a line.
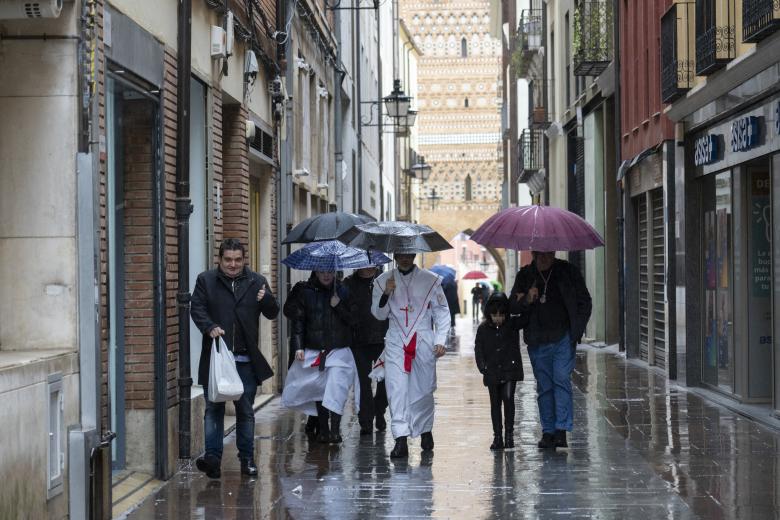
pixel 553 304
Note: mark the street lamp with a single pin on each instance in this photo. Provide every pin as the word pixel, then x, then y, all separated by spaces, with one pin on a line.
pixel 433 199
pixel 421 170
pixel 397 103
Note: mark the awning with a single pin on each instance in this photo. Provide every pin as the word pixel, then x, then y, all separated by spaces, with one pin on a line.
pixel 630 163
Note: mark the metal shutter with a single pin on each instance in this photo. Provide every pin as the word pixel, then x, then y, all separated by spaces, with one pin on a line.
pixel 644 277
pixel 659 274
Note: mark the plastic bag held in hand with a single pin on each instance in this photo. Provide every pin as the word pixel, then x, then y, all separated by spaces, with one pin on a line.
pixel 224 381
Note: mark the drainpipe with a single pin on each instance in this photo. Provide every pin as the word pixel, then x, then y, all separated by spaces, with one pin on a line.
pixel 381 159
pixel 621 206
pixel 338 118
pixel 359 89
pixel 183 210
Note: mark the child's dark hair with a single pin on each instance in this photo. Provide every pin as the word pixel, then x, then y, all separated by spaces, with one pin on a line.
pixel 497 303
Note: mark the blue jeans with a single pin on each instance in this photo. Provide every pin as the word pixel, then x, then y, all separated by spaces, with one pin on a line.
pixel 553 364
pixel 214 418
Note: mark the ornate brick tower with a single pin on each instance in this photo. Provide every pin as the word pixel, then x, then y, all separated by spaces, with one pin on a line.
pixel 459 100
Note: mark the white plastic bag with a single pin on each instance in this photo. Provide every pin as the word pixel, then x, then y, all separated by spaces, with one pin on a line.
pixel 378 369
pixel 224 382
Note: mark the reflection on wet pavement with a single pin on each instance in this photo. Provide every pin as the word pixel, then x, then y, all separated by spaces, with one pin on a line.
pixel 641 449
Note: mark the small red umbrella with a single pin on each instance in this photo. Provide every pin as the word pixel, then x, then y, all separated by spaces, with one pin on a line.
pixel 475 275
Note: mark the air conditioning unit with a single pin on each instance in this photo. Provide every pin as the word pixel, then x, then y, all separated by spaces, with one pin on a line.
pixel 251 129
pixel 22 9
pixel 218 45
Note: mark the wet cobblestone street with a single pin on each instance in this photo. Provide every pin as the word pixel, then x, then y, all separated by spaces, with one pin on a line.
pixel 640 449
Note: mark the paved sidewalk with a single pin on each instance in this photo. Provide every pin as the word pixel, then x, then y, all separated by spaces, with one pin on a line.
pixel 641 449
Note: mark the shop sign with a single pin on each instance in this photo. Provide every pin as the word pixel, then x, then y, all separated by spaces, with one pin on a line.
pixel 777 117
pixel 705 150
pixel 744 133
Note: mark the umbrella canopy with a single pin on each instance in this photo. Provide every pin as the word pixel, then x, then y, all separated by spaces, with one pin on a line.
pixel 474 275
pixel 537 228
pixel 333 256
pixel 446 272
pixel 496 285
pixel 395 237
pixel 327 226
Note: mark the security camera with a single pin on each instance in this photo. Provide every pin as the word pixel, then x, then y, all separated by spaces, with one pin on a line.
pixel 250 66
pixel 279 36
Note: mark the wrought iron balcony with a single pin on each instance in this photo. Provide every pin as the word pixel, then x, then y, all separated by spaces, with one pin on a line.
pixel 531 29
pixel 715 35
pixel 760 18
pixel 593 37
pixel 677 61
pixel 531 153
pixel 540 94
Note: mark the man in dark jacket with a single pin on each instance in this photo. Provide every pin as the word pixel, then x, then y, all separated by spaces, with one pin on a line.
pixel 368 335
pixel 554 306
pixel 227 302
pixel 450 288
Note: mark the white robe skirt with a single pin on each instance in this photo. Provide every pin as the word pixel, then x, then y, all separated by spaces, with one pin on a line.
pixel 410 394
pixel 305 384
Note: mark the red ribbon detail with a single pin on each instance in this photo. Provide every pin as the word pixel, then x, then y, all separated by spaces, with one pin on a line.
pixel 410 351
pixel 319 359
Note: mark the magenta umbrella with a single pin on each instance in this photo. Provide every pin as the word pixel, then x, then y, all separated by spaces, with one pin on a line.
pixel 537 228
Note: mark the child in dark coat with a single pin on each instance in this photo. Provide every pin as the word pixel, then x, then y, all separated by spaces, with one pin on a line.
pixel 497 352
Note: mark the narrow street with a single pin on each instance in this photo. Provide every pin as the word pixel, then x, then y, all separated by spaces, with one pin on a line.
pixel 641 449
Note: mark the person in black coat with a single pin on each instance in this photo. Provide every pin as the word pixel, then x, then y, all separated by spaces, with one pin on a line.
pixel 550 297
pixel 227 302
pixel 450 289
pixel 368 335
pixel 320 319
pixel 497 353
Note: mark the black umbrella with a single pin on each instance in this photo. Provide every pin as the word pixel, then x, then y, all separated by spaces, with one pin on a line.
pixel 327 226
pixel 395 237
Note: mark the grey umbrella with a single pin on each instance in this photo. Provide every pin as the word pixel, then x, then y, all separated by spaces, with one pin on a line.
pixel 327 226
pixel 395 237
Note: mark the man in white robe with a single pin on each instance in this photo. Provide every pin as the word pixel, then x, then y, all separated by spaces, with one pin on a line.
pixel 413 301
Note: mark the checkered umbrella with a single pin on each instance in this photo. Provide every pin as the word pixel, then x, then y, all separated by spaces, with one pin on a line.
pixel 331 256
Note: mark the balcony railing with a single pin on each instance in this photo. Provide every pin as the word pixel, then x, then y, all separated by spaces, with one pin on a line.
pixel 531 153
pixel 760 18
pixel 593 42
pixel 540 95
pixel 531 29
pixel 715 35
pixel 677 61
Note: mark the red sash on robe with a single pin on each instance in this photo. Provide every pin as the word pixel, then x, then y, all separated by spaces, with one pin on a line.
pixel 320 361
pixel 410 351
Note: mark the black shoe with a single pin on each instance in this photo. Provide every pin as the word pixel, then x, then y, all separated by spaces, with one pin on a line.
pixel 560 439
pixel 547 442
pixel 509 439
pixel 209 464
pixel 401 449
pixel 381 424
pixel 323 437
pixel 335 438
pixel 498 442
pixel 248 467
pixel 426 442
pixel 366 428
pixel 312 425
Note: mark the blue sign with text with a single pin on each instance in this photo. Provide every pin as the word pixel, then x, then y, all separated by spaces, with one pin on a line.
pixel 705 150
pixel 744 133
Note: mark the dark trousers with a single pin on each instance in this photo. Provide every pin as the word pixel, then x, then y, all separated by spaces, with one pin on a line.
pixel 502 394
pixel 214 418
pixel 371 405
pixel 476 306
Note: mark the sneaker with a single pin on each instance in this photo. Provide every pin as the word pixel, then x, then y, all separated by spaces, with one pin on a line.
pixel 210 465
pixel 426 442
pixel 498 443
pixel 560 439
pixel 248 467
pixel 401 449
pixel 547 442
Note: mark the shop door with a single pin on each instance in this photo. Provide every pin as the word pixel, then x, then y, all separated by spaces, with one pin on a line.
pixel 759 293
pixel 652 295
